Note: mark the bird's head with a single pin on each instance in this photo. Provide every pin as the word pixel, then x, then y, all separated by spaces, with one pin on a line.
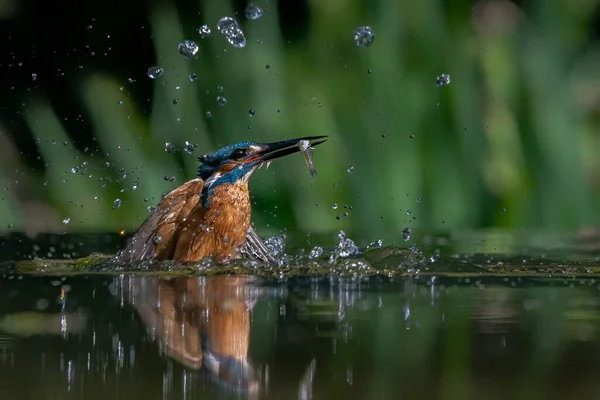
pixel 236 163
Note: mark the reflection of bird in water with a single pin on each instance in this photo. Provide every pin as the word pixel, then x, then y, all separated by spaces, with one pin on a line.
pixel 210 216
pixel 201 322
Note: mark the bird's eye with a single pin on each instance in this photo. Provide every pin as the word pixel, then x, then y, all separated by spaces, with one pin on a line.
pixel 239 153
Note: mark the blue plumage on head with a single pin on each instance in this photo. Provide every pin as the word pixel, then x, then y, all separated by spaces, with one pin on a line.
pixel 212 161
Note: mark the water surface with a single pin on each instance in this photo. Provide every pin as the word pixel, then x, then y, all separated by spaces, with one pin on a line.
pixel 473 326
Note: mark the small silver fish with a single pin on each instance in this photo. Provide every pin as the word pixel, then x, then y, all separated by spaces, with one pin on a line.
pixel 306 151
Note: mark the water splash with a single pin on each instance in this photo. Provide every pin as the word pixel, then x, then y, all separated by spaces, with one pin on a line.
pixel 442 80
pixel 155 72
pixel 253 12
pixel 170 148
pixel 204 31
pixel 364 36
pixel 188 48
pixel 189 147
pixel 276 245
pixel 232 31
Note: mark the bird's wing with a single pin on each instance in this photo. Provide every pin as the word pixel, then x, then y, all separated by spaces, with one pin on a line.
pixel 254 247
pixel 157 237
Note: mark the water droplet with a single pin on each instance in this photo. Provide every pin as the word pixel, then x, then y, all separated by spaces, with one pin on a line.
pixel 411 136
pixel 267 66
pixel 503 210
pixel 231 30
pixel 346 246
pixel 169 178
pixel 220 89
pixel 66 221
pixel 208 114
pixel 315 253
pixel 188 48
pixel 33 76
pixel 276 245
pixel 170 147
pixel 193 77
pixel 116 204
pixel 204 31
pixel 157 239
pixel 155 72
pixel 253 12
pixel 418 200
pixel 334 206
pixel 152 208
pixel 406 232
pixel 376 245
pixel 442 80
pixel 74 170
pixel 175 101
pixel 135 185
pixel 408 212
pixel 189 147
pixel 350 169
pixel 364 36
pixel 252 112
pixel 221 100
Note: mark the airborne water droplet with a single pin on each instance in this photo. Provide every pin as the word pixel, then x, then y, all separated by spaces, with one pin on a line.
pixel 364 36
pixel 189 147
pixel 204 31
pixel 232 31
pixel 253 12
pixel 188 48
pixel 169 147
pixel 155 72
pixel 442 80
pixel 406 232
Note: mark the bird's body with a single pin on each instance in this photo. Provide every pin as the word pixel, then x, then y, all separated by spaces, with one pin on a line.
pixel 208 216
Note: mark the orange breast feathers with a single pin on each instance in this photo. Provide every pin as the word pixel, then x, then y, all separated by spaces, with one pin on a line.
pixel 219 230
pixel 181 229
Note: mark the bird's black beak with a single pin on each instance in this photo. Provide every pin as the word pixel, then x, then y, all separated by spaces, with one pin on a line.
pixel 271 151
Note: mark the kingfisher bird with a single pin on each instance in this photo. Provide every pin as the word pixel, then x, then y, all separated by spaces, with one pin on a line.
pixel 209 216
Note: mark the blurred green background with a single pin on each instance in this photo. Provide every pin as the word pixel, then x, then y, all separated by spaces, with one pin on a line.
pixel 512 142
